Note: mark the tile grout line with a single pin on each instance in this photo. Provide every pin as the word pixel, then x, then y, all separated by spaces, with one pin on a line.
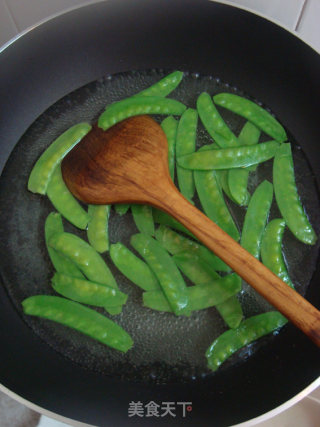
pixel 303 7
pixel 11 16
pixel 314 399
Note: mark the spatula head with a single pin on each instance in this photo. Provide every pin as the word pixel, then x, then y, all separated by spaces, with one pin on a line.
pixel 124 164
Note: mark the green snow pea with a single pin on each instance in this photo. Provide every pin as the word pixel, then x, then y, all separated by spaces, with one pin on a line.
pixel 53 225
pixel 129 107
pixel 256 218
pixel 142 215
pixel 79 317
pixel 287 197
pixel 169 126
pixel 249 135
pixel 221 175
pixel 238 183
pixel 200 296
pixel 133 267
pixel 231 311
pixel 238 178
pixel 212 201
pixel 192 266
pixel 271 250
pixel 199 272
pixel 164 86
pixel 186 144
pixel 157 301
pixel 97 231
pixel 165 270
pixel 52 156
pixel 214 123
pixel 84 256
pixel 64 202
pixel 87 292
pixel 87 259
pixel 249 330
pixel 227 158
pixel 175 243
pixel 252 112
pixel 122 208
pixel 163 218
pixel 222 178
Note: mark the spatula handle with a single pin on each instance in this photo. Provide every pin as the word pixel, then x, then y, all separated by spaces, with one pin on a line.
pixel 291 304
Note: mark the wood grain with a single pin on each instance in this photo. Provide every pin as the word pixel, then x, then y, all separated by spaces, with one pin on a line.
pixel 129 164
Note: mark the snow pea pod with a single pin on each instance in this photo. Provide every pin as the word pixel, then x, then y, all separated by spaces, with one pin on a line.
pixel 87 259
pixel 164 86
pixel 287 197
pixel 238 178
pixel 157 301
pixel 64 202
pixel 214 123
pixel 271 250
pixel 192 266
pixel 249 330
pixel 186 144
pixel 84 256
pixel 133 267
pixel 53 225
pixel 252 112
pixel 222 178
pixel 200 296
pixel 79 317
pixel 256 218
pixel 87 292
pixel 227 158
pixel 238 183
pixel 97 231
pixel 169 126
pixel 249 135
pixel 129 107
pixel 52 156
pixel 199 272
pixel 142 215
pixel 163 218
pixel 175 243
pixel 165 270
pixel 231 311
pixel 122 208
pixel 221 175
pixel 212 201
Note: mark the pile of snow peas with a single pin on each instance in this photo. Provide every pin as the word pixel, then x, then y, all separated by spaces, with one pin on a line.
pixel 163 255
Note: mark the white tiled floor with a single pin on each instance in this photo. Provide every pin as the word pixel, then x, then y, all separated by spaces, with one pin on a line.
pixel 8 28
pixel 300 15
pixel 27 12
pixel 285 11
pixel 309 26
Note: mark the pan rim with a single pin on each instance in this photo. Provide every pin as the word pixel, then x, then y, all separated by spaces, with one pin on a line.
pixel 88 3
pixel 252 421
pixel 249 423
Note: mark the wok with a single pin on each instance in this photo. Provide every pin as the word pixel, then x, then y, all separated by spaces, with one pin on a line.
pixel 77 48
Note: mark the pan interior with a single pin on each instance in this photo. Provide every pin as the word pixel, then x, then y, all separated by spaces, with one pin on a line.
pixel 166 348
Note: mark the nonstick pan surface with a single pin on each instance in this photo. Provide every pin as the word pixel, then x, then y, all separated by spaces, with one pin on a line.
pixel 81 47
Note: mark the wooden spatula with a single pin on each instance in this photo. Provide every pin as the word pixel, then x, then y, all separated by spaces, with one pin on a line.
pixel 128 163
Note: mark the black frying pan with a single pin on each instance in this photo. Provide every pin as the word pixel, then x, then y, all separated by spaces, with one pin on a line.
pixel 77 48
